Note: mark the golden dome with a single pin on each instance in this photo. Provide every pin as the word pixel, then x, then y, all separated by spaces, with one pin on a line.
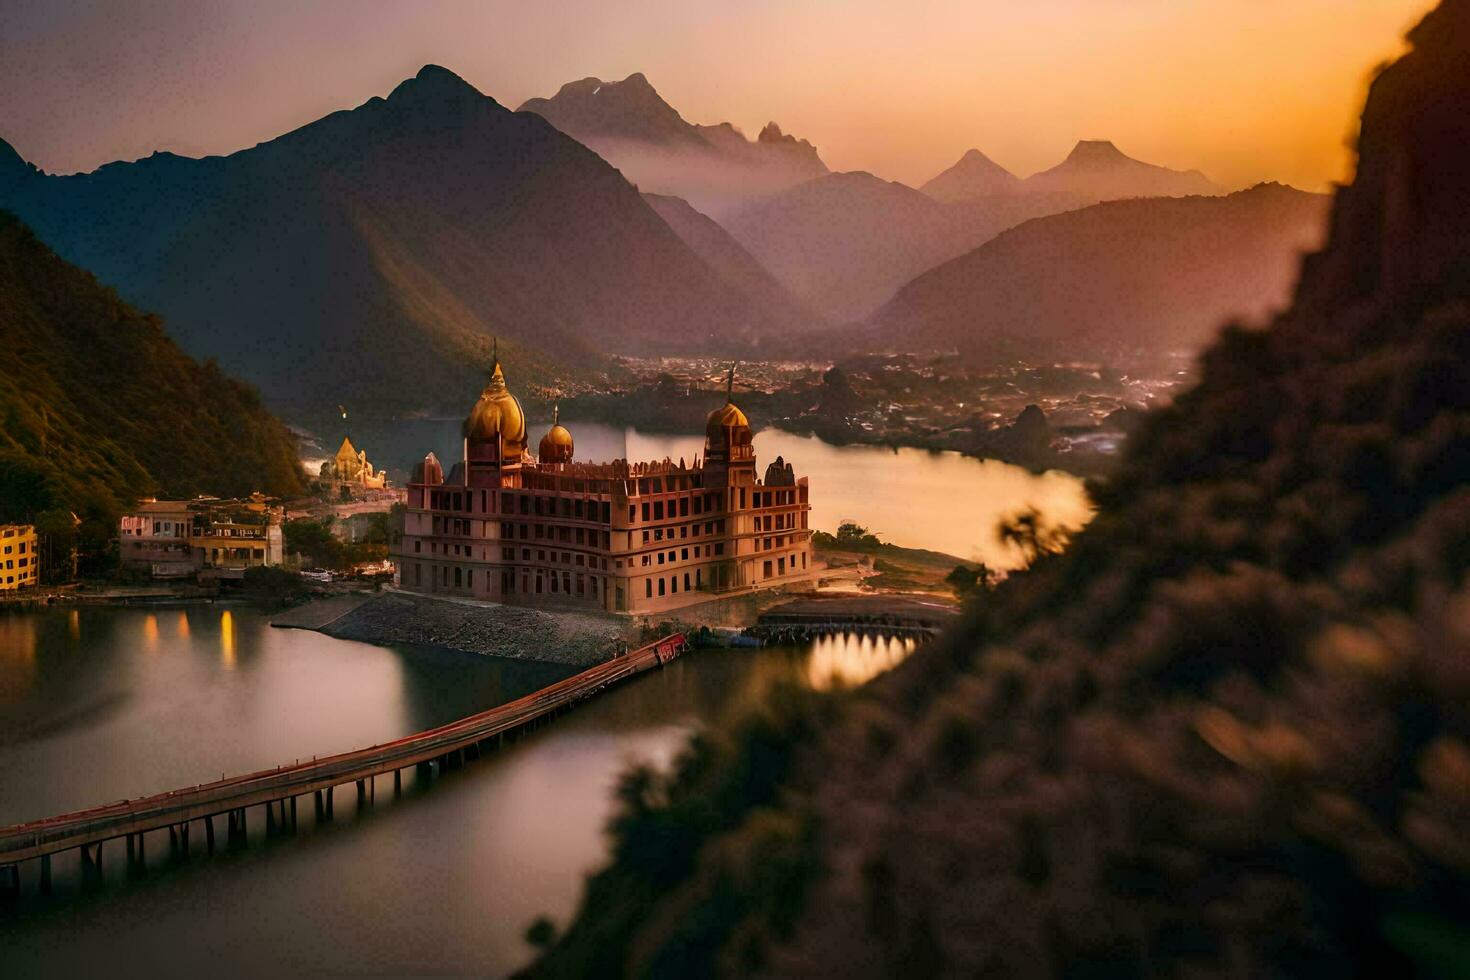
pixel 497 413
pixel 556 445
pixel 723 418
pixel 726 430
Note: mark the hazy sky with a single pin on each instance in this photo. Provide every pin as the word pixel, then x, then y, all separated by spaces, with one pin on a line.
pixel 1242 89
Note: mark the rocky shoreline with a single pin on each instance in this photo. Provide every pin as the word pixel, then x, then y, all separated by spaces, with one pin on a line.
pixel 573 638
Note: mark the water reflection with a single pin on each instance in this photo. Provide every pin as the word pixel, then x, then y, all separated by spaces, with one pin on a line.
pixel 227 639
pixel 443 882
pixel 150 632
pixel 847 661
pixel 183 625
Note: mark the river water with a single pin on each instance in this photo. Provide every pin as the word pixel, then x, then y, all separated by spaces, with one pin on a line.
pixel 101 704
pixel 942 501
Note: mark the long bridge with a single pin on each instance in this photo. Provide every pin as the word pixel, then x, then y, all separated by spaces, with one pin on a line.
pixel 279 789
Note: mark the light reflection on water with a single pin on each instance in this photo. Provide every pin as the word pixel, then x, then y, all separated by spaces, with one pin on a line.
pixel 227 640
pixel 443 881
pixel 847 661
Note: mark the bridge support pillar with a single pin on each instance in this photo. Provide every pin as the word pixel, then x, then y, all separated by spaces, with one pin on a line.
pixel 329 801
pixel 397 782
pixel 132 853
pixel 270 819
pixel 184 840
pixel 45 874
pixel 293 814
pixel 361 794
pixel 12 880
pixel 209 834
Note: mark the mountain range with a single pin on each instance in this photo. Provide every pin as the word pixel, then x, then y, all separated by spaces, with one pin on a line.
pixel 1095 170
pixel 367 258
pixel 1160 273
pixel 845 243
pixel 715 168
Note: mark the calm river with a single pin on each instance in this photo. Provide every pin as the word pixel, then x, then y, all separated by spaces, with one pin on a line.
pixel 100 704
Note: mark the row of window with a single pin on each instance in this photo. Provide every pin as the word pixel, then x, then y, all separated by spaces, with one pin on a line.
pixel 577 508
pixel 710 527
pixel 670 585
pixel 539 583
pixel 710 551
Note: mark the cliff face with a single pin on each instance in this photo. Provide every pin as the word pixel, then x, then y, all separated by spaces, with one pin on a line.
pixel 1224 734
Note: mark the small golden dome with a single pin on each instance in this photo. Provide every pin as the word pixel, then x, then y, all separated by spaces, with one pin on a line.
pixel 556 445
pixel 497 413
pixel 723 418
pixel 726 429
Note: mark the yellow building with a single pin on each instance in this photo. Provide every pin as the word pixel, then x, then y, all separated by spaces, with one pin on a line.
pixel 350 468
pixel 20 561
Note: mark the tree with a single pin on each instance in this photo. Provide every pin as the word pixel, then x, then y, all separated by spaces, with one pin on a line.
pixel 965 579
pixel 853 534
pixel 314 540
pixel 1031 536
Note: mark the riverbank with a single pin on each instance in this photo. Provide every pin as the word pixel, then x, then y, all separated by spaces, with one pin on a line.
pixel 572 638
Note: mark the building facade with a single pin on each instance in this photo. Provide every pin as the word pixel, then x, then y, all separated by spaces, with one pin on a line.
pixel 181 538
pixel 20 560
pixel 621 536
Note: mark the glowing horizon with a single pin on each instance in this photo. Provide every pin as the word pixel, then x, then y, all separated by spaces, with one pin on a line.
pixel 1243 92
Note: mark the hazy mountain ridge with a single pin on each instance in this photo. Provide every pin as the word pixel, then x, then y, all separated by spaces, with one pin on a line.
pixel 714 167
pixel 711 242
pixel 1222 735
pixel 1098 169
pixel 845 243
pixel 97 404
pixel 975 175
pixel 366 258
pixel 1149 272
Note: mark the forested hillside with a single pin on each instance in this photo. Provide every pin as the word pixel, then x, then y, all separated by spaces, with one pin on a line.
pixel 1225 734
pixel 98 405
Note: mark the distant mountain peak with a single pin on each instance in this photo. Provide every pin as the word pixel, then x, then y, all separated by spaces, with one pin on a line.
pixel 714 166
pixel 973 176
pixel 437 83
pixel 1096 151
pixel 1098 169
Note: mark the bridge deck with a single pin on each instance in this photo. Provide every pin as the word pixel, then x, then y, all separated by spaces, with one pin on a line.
pixel 50 835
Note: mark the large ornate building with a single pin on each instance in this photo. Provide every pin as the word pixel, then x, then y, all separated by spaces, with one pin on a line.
pixel 511 526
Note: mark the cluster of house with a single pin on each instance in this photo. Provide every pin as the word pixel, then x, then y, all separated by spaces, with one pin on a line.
pixel 206 537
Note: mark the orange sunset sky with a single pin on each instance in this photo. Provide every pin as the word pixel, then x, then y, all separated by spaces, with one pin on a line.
pixel 1244 90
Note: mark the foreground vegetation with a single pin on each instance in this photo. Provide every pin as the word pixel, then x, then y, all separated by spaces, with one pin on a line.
pixel 1224 734
pixel 98 406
